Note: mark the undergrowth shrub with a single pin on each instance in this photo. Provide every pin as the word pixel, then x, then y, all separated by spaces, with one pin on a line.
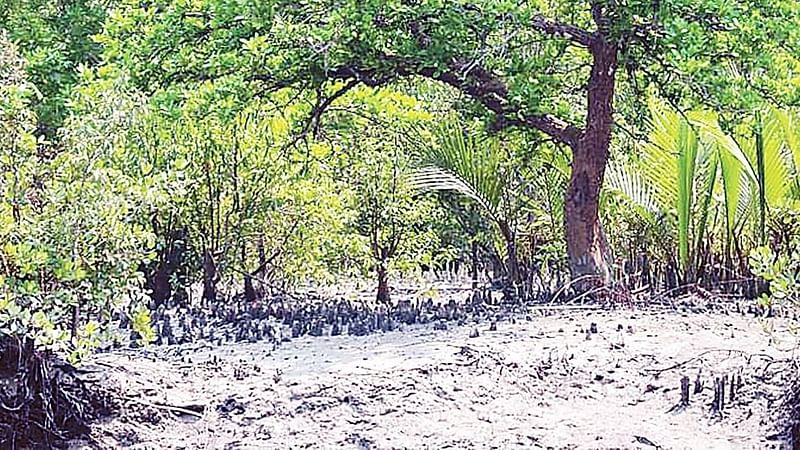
pixel 781 271
pixel 70 244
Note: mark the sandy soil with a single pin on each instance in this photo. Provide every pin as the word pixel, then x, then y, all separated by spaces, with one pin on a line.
pixel 541 381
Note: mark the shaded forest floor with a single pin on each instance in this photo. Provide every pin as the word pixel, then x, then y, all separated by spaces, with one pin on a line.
pixel 540 380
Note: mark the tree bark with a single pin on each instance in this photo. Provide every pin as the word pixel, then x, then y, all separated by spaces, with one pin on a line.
pixel 160 289
pixel 249 291
pixel 474 265
pixel 587 248
pixel 512 260
pixel 209 278
pixel 383 282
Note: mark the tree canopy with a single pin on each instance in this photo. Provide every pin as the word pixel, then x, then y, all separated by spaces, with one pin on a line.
pixel 528 62
pixel 550 67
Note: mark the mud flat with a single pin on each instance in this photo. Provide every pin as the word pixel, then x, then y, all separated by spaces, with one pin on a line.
pixel 575 378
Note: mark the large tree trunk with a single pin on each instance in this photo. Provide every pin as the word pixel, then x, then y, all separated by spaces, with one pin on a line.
pixel 587 248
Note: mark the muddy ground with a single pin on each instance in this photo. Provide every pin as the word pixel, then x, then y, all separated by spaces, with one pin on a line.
pixel 540 380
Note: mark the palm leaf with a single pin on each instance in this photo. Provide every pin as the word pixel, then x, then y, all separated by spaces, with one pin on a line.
pixel 707 126
pixel 790 128
pixel 626 179
pixel 687 163
pixel 669 163
pixel 767 152
pixel 432 178
pixel 777 180
pixel 735 185
pixel 706 169
pixel 463 164
pixel 735 169
pixel 658 161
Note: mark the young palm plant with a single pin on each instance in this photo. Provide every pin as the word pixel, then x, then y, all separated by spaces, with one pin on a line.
pixel 676 176
pixel 692 171
pixel 474 166
pixel 771 145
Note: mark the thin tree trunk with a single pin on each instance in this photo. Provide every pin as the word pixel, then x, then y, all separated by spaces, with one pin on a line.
pixel 511 253
pixel 474 265
pixel 262 255
pixel 513 263
pixel 209 278
pixel 160 290
pixel 587 247
pixel 383 283
pixel 249 292
pixel 75 320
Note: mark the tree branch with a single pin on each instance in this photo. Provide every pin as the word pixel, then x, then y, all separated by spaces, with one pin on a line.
pixel 600 18
pixel 322 105
pixel 492 93
pixel 468 77
pixel 478 83
pixel 571 32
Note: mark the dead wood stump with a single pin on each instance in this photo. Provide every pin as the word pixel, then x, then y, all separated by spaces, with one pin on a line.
pixel 718 405
pixel 685 391
pixel 698 384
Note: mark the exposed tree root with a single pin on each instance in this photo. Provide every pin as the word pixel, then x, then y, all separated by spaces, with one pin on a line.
pixel 42 403
pixel 791 410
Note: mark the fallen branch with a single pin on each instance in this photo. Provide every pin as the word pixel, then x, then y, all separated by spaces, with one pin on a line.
pixel 165 407
pixel 700 356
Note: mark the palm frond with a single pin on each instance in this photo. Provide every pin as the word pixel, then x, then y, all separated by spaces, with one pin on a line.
pixel 465 164
pixel 659 154
pixel 707 126
pixel 777 177
pixel 790 128
pixel 736 189
pixel 432 178
pixel 669 163
pixel 687 146
pixel 735 169
pixel 706 176
pixel 626 179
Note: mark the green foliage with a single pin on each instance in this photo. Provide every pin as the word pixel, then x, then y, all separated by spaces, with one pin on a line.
pixel 768 139
pixel 288 142
pixel 782 271
pixel 55 37
pixel 691 168
pixel 526 64
pixel 467 165
pixel 141 325
pixel 519 190
pixel 238 188
pixel 676 175
pixel 257 201
pixel 463 161
pixel 393 219
pixel 723 52
pixel 70 240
